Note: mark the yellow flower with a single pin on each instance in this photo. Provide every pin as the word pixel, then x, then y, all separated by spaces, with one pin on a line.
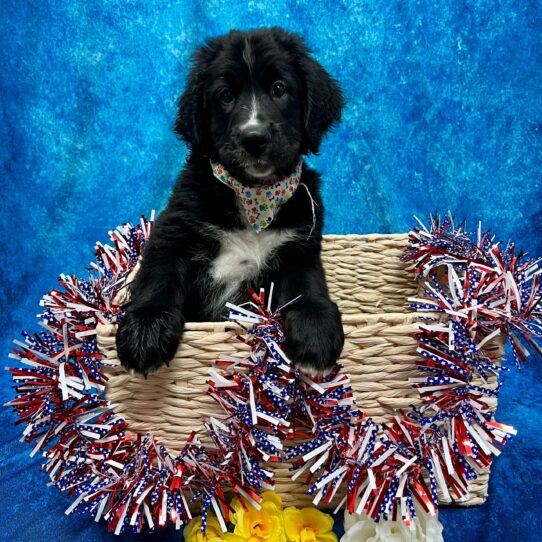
pixel 308 525
pixel 213 532
pixel 230 537
pixel 265 525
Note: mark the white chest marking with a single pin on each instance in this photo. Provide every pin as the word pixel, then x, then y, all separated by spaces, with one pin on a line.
pixel 244 254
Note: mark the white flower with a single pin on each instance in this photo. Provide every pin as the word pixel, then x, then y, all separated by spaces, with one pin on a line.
pixel 361 528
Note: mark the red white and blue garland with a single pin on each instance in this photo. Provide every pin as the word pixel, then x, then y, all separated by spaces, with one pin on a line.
pixel 483 292
pixel 131 480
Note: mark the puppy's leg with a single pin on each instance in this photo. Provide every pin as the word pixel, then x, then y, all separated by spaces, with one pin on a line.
pixel 314 332
pixel 149 333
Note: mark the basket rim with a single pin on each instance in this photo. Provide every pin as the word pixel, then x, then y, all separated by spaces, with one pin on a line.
pixel 347 319
pixel 365 237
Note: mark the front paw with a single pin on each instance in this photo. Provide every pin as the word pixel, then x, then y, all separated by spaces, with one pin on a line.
pixel 148 338
pixel 314 337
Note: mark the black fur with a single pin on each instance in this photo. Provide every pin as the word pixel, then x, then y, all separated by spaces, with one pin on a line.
pixel 173 284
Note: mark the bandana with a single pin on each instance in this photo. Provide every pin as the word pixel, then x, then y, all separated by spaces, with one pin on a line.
pixel 260 203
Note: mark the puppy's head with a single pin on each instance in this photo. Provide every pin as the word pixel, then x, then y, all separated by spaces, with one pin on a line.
pixel 255 101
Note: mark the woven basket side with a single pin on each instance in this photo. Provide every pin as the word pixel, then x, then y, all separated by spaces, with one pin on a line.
pixel 171 401
pixel 371 286
pixel 364 273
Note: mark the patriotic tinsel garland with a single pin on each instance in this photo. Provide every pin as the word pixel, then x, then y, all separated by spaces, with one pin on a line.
pixel 473 292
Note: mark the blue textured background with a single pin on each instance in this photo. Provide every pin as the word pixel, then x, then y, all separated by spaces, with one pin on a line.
pixel 444 112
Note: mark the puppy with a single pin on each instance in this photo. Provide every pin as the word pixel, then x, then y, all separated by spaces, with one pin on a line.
pixel 246 210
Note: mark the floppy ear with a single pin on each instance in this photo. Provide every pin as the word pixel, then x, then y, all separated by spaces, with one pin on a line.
pixel 191 124
pixel 323 97
pixel 323 102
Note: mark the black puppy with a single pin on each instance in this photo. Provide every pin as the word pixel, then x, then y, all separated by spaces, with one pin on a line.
pixel 255 103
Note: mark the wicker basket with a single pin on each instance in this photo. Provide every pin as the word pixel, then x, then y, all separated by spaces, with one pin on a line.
pixel 370 284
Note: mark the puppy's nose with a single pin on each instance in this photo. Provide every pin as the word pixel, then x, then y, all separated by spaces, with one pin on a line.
pixel 255 139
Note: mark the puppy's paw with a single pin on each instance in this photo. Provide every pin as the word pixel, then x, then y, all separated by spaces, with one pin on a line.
pixel 148 338
pixel 314 337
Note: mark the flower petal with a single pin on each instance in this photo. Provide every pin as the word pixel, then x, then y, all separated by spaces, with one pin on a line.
pixel 363 530
pixel 236 505
pixel 351 519
pixel 293 523
pixel 272 497
pixel 192 532
pixel 191 528
pixel 317 520
pixel 230 537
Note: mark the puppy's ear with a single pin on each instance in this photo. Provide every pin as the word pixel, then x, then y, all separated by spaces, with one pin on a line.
pixel 191 123
pixel 323 102
pixel 323 97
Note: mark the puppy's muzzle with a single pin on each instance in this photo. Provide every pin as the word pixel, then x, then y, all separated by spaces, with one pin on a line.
pixel 255 139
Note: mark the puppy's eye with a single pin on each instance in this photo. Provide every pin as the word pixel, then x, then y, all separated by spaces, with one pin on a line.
pixel 225 96
pixel 278 89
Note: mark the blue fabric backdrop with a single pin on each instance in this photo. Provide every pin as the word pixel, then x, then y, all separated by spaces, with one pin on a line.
pixel 444 112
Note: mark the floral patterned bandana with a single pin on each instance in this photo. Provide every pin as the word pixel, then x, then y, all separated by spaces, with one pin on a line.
pixel 260 203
